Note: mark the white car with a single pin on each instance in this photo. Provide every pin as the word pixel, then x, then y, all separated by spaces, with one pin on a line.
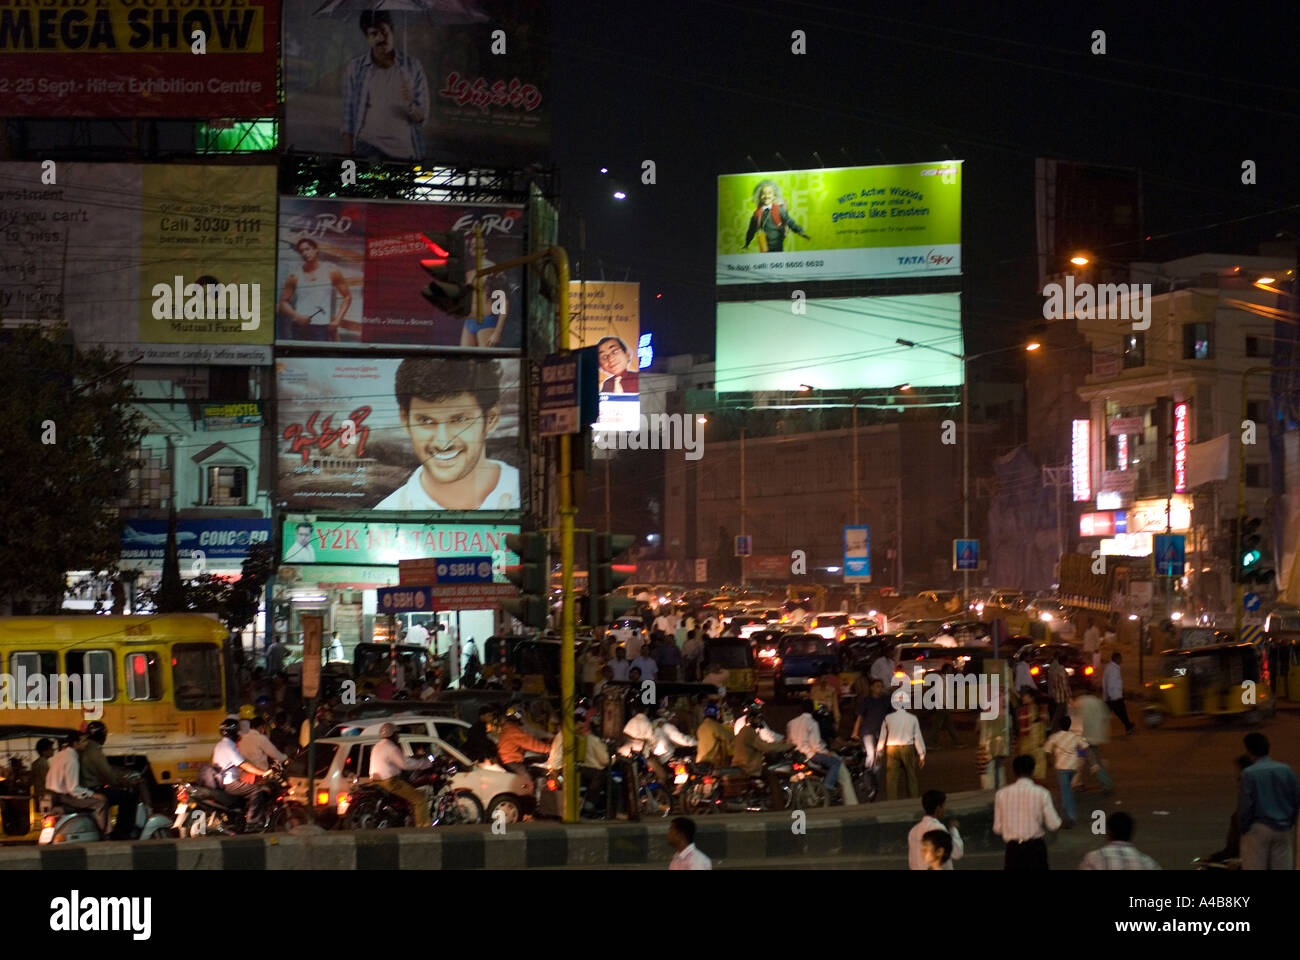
pixel 829 625
pixel 347 764
pixel 450 730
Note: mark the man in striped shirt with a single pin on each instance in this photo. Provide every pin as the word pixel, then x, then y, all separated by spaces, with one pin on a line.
pixel 1119 854
pixel 1022 815
pixel 1058 685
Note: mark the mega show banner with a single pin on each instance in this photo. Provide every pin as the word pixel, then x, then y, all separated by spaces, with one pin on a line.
pixel 442 81
pixel 349 273
pixel 844 223
pixel 421 434
pixel 173 263
pixel 138 58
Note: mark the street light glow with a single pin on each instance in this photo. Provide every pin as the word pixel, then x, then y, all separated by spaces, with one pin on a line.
pixel 1079 260
pixel 1265 281
pixel 1032 345
pixel 620 195
pixel 701 420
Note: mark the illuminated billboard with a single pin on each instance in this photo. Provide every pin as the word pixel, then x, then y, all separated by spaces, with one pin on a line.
pixel 844 223
pixel 607 316
pixel 844 343
pixel 1081 460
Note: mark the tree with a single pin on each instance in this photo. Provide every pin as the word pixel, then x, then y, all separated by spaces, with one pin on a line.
pixel 67 429
pixel 234 603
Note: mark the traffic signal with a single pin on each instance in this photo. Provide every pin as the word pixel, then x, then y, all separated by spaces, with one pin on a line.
pixel 449 291
pixel 531 576
pixel 604 576
pixel 1254 569
pixel 1234 544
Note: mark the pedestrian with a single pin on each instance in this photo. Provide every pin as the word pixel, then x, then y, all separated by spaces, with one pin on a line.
pixel 1232 843
pixel 872 711
pixel 1112 691
pixel 904 750
pixel 1022 815
pixel 606 678
pixel 669 659
pixel 1267 809
pixel 645 662
pixel 1026 689
pixel 933 803
pixel 936 850
pixel 1067 749
pixel 1119 854
pixel 882 668
pixel 619 666
pixel 1091 719
pixel 276 651
pixel 1058 686
pixel 1092 644
pixel 692 651
pixel 686 856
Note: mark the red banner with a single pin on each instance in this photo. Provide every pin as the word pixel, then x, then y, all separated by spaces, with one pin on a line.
pixel 122 58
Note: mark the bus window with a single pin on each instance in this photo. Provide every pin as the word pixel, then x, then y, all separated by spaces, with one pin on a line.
pixel 94 663
pixel 34 662
pixel 143 676
pixel 196 674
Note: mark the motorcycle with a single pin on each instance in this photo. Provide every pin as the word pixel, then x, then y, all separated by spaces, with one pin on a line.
pixel 594 792
pixel 78 826
pixel 203 807
pixel 371 807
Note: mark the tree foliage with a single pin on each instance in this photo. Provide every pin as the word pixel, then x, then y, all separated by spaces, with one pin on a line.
pixel 68 430
pixel 235 603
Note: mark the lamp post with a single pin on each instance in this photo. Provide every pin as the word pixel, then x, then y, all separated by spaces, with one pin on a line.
pixel 965 358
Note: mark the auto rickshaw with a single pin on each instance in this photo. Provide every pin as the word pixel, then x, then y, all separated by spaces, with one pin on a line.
pixel 736 656
pixel 20 812
pixel 372 665
pixel 1210 681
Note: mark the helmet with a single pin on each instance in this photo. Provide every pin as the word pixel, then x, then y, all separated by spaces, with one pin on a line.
pixel 821 710
pixel 230 728
pixel 515 715
pixel 711 711
pixel 246 712
pixel 580 709
pixel 754 706
pixel 96 731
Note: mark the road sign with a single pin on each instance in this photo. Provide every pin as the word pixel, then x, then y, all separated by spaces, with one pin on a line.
pixel 569 391
pixel 965 554
pixel 1250 601
pixel 463 570
pixel 857 554
pixel 404 600
pixel 702 570
pixel 1170 551
pixel 1251 632
pixel 744 546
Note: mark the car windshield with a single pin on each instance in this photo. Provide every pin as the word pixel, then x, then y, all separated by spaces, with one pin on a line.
pixel 807 647
pixel 833 620
pixel 732 656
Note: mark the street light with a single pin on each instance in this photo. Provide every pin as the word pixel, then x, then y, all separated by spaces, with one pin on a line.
pixel 1079 260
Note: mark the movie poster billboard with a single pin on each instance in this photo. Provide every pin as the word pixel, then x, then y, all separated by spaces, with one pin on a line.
pixel 419 434
pixel 843 223
pixel 172 263
pixel 440 81
pixel 607 316
pixel 349 273
pixel 129 58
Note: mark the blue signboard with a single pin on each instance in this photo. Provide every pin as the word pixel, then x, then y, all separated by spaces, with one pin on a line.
pixel 217 539
pixel 404 600
pixel 464 570
pixel 1250 601
pixel 1170 551
pixel 744 546
pixel 569 391
pixel 965 554
pixel 857 554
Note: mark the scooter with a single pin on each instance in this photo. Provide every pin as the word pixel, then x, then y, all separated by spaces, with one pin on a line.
pixel 78 826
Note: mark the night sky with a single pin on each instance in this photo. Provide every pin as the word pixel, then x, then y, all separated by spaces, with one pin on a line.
pixel 1185 93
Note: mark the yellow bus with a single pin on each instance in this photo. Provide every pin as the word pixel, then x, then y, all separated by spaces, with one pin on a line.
pixel 158 680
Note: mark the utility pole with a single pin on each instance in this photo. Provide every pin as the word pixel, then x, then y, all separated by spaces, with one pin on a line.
pixel 744 560
pixel 857 587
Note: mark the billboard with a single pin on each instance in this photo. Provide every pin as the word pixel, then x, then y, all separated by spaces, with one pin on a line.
pixel 607 316
pixel 844 223
pixel 306 540
pixel 347 441
pixel 186 275
pixel 437 81
pixel 844 343
pixel 125 58
pixel 348 273
pixel 216 542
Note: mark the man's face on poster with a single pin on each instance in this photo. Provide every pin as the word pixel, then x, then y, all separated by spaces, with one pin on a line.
pixel 380 39
pixel 449 435
pixel 767 196
pixel 307 250
pixel 613 358
pixel 304 536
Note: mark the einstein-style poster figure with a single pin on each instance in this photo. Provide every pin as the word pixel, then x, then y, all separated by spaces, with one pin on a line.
pixel 771 219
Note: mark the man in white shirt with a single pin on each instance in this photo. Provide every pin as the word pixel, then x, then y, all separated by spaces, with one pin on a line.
pixel 387 762
pixel 933 801
pixel 256 747
pixel 449 409
pixel 230 764
pixel 1064 746
pixel 1024 680
pixel 646 664
pixel 1112 690
pixel 418 635
pixel 619 666
pixel 668 737
pixel 765 733
pixel 63 782
pixel 882 668
pixel 633 642
pixel 640 736
pixel 681 837
pixel 1092 643
pixel 904 749
pixel 1022 815
pixel 302 550
pixel 664 623
pixel 336 647
pixel 804 732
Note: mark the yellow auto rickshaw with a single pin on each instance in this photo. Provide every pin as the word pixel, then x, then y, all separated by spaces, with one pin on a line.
pixel 1219 680
pixel 20 812
pixel 736 656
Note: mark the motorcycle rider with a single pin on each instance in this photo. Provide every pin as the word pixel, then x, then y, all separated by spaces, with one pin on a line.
pixel 714 737
pixel 479 745
pixel 257 747
pixel 667 735
pixel 806 735
pixel 765 733
pixel 387 762
pixel 100 776
pixel 64 783
pixel 639 738
pixel 515 741
pixel 231 768
pixel 749 751
pixel 590 753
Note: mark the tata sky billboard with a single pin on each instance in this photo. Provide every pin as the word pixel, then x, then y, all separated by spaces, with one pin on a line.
pixel 838 344
pixel 843 223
